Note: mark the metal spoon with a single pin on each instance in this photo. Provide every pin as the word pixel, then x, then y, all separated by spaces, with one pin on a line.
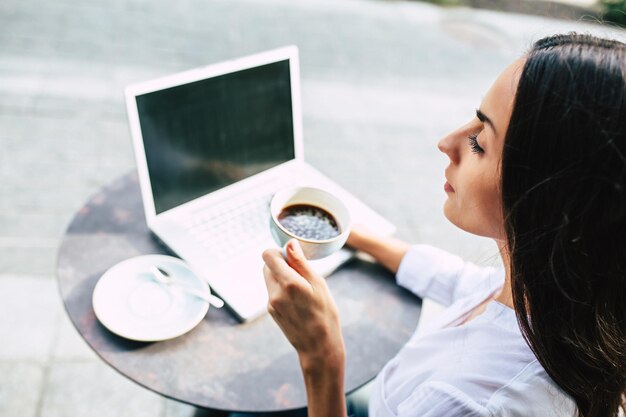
pixel 163 277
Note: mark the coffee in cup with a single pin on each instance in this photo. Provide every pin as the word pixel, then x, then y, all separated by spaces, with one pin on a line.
pixel 309 222
pixel 315 217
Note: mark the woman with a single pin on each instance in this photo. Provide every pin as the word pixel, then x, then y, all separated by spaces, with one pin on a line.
pixel 541 170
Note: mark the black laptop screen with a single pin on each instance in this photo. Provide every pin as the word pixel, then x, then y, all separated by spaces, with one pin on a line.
pixel 208 134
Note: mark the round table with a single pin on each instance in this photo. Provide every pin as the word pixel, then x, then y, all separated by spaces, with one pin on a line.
pixel 221 364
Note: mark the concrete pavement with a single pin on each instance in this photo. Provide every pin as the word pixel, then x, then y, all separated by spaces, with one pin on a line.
pixel 382 82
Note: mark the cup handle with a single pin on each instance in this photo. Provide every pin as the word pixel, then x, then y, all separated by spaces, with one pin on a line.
pixel 283 251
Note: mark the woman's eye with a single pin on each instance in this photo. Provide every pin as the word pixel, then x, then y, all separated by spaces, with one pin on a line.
pixel 474 144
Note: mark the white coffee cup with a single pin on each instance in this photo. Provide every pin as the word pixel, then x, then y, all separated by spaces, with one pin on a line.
pixel 313 249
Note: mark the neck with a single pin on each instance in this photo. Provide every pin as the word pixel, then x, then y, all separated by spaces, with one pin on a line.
pixel 505 296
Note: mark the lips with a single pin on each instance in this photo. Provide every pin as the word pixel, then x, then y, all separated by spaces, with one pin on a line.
pixel 447 186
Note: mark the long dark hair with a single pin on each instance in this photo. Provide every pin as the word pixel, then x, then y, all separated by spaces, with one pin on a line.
pixel 564 205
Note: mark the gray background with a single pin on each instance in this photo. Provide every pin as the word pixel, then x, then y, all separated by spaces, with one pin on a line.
pixel 382 81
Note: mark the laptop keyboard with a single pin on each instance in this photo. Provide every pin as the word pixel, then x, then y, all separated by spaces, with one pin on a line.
pixel 234 226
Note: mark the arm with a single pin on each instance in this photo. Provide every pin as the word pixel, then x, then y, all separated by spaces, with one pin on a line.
pixel 324 387
pixel 302 306
pixel 426 271
pixel 388 251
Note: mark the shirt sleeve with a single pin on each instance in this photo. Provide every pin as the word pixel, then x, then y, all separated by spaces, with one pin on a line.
pixel 433 273
pixel 439 399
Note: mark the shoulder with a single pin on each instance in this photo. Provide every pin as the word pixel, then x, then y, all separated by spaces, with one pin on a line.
pixel 440 399
pixel 531 393
pixel 502 374
pixel 490 349
pixel 484 368
pixel 492 372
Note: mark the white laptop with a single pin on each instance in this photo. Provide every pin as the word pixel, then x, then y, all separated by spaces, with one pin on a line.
pixel 212 146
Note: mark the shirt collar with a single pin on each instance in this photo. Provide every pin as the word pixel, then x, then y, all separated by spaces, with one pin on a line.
pixel 502 315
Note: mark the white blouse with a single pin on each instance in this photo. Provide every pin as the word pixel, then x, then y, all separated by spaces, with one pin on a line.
pixel 451 368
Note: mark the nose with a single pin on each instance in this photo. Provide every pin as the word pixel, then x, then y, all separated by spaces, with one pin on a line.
pixel 452 143
pixel 449 145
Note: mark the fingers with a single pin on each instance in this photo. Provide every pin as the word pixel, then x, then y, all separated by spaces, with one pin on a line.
pixel 297 260
pixel 274 292
pixel 276 263
pixel 295 270
pixel 279 274
pixel 273 288
pixel 300 311
pixel 284 299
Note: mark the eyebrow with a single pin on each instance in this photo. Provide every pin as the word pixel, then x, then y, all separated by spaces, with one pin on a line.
pixel 483 118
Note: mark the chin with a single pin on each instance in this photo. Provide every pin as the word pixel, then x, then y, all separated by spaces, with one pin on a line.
pixel 471 226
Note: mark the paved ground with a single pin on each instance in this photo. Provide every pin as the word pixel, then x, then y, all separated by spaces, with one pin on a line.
pixel 382 81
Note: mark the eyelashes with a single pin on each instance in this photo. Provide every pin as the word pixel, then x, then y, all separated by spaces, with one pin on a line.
pixel 474 144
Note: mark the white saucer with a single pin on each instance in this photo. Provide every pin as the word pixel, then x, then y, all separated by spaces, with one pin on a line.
pixel 131 304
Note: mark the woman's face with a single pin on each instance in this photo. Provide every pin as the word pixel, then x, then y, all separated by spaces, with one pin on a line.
pixel 475 150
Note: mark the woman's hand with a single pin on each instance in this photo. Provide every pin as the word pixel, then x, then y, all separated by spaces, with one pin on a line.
pixel 302 306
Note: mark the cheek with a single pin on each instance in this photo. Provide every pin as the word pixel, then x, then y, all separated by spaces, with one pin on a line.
pixel 476 208
pixel 487 199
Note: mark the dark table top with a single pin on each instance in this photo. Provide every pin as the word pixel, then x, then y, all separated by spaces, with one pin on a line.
pixel 221 364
